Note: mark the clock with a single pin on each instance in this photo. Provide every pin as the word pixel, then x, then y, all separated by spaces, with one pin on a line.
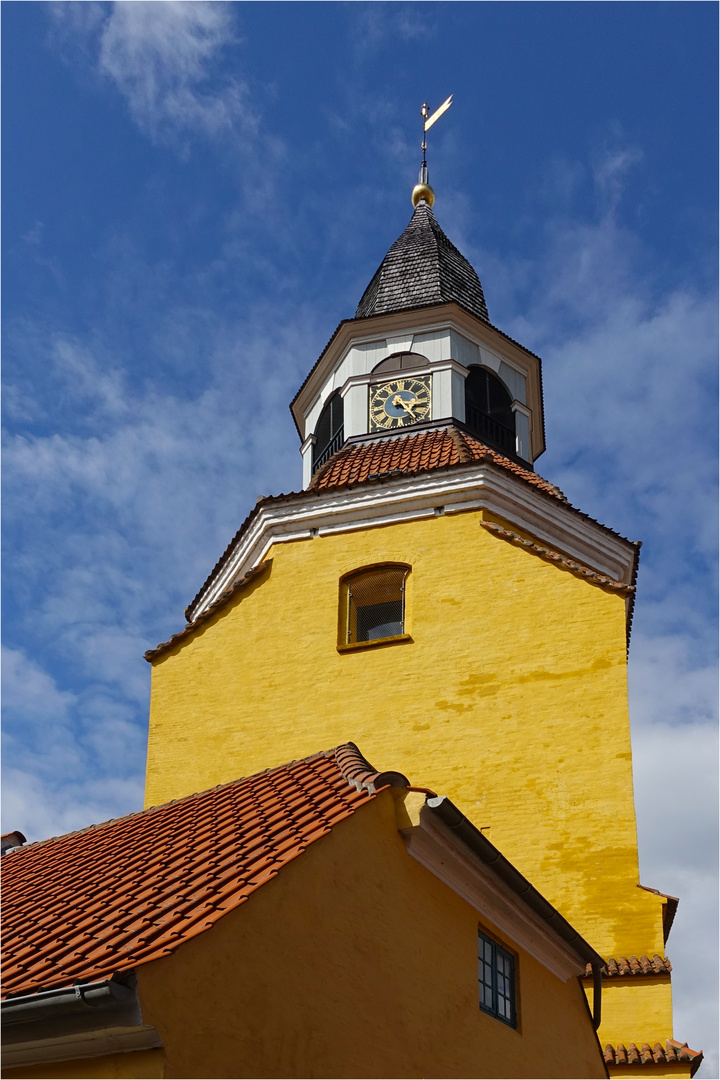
pixel 398 403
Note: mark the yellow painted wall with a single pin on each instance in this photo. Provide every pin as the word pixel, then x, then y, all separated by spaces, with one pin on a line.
pixel 638 1009
pixel 356 961
pixel 135 1065
pixel 511 699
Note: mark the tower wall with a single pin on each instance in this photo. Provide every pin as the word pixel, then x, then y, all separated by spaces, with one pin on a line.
pixel 511 698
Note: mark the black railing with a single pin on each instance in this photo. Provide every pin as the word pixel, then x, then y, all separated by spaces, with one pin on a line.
pixel 491 431
pixel 332 447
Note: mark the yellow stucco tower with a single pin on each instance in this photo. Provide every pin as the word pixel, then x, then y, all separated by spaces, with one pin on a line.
pixel 429 596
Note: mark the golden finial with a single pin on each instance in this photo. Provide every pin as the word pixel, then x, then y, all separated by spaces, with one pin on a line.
pixel 422 192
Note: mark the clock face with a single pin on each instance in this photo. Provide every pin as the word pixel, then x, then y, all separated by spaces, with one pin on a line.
pixel 398 403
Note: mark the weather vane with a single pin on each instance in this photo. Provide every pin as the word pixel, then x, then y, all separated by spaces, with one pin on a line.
pixel 422 190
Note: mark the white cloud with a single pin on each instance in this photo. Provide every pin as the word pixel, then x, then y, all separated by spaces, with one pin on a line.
pixel 162 58
pixel 676 792
pixel 40 809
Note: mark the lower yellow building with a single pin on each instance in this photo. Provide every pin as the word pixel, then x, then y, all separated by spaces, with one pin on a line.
pixel 319 919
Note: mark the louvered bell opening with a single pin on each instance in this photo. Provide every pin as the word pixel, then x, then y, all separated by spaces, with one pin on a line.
pixel 376 604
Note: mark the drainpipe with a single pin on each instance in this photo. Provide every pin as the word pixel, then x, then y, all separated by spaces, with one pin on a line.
pixel 597 994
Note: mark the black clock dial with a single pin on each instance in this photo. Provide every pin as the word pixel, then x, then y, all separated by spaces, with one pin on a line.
pixel 399 403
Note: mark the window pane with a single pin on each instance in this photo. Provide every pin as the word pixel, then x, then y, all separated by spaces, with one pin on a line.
pixel 496 969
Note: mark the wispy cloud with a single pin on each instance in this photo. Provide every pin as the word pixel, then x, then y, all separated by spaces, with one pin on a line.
pixel 162 58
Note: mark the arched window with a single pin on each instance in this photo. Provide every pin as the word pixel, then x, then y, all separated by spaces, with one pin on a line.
pixel 488 409
pixel 329 433
pixel 372 604
pixel 401 360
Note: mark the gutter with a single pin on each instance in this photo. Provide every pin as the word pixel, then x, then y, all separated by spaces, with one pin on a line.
pixel 69 999
pixel 445 810
pixel 88 1019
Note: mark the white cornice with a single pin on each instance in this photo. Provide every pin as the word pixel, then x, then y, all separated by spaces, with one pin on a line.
pixel 432 843
pixel 406 498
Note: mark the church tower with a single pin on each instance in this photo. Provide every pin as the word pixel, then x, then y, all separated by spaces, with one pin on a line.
pixel 432 598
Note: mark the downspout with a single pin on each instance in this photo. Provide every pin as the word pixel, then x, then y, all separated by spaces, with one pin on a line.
pixel 597 994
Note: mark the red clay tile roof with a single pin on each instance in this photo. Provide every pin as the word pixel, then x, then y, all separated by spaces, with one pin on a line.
pixel 82 906
pixel 655 1055
pixel 634 965
pixel 416 452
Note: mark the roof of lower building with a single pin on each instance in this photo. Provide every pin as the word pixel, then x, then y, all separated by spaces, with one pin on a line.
pixel 645 1054
pixel 83 906
pixel 422 268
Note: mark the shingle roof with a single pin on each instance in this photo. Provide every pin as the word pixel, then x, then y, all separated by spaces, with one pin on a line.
pixel 416 452
pixel 82 906
pixel 634 965
pixel 422 268
pixel 656 1055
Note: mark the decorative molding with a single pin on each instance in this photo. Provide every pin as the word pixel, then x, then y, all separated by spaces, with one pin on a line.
pixel 432 844
pixel 393 499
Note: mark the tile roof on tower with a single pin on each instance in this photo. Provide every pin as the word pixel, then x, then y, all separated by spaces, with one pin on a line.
pixel 417 452
pixel 422 268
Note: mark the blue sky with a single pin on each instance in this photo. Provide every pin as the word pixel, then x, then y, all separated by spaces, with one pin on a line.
pixel 196 194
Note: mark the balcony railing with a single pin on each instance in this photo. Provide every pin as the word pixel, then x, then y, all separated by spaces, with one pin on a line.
pixel 332 447
pixel 491 431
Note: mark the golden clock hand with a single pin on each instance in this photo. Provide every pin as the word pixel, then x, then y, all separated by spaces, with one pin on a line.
pixel 408 406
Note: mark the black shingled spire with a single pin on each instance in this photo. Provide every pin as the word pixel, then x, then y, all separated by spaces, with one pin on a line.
pixel 422 268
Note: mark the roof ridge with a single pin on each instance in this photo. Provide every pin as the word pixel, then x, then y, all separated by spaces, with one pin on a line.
pixel 360 774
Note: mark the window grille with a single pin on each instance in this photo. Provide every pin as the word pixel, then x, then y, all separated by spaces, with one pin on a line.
pixel 496 975
pixel 375 604
pixel 488 410
pixel 329 432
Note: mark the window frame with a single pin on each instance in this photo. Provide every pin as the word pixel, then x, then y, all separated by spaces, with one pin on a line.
pixel 344 614
pixel 498 951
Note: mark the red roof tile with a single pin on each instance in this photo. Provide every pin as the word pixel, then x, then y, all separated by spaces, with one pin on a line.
pixel 656 1055
pixel 82 906
pixel 417 452
pixel 634 965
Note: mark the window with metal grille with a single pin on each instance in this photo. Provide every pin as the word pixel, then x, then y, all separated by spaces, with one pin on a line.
pixel 488 409
pixel 375 604
pixel 329 433
pixel 496 975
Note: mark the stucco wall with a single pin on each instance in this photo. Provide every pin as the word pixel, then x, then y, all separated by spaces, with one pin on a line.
pixel 356 961
pixel 511 699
